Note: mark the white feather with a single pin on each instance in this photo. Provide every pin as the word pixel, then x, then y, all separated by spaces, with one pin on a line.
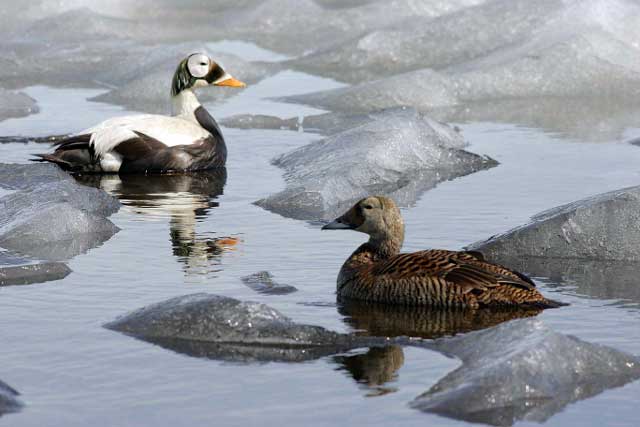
pixel 110 162
pixel 171 131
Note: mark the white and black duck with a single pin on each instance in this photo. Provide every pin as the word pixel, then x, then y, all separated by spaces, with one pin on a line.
pixel 149 143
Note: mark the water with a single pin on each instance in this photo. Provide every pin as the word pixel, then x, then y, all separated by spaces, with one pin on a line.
pixel 182 237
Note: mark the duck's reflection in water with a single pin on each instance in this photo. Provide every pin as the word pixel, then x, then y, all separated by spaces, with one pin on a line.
pixel 379 365
pixel 185 199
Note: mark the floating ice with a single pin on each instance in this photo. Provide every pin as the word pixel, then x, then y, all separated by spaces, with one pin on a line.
pixel 259 121
pixel 214 318
pixel 493 29
pixel 8 399
pixel 604 280
pixel 550 63
pixel 326 124
pixel 423 89
pixel 262 282
pixel 522 370
pixel 32 273
pixel 52 217
pixel 16 104
pixel 272 23
pixel 399 153
pixel 602 227
pixel 420 42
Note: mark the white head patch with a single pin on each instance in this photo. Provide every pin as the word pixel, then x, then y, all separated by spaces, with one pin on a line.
pixel 198 65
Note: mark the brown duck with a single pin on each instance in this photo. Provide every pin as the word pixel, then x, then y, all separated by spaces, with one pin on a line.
pixel 378 272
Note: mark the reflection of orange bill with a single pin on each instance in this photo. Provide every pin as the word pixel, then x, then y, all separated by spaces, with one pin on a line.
pixel 227 241
pixel 231 82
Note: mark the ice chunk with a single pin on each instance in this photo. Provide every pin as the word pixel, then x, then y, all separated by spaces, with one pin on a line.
pixel 417 43
pixel 222 328
pixel 259 121
pixel 272 23
pixel 572 62
pixel 8 399
pixel 488 30
pixel 16 104
pixel 400 154
pixel 23 177
pixel 326 124
pixel 218 319
pixel 52 220
pixel 32 273
pixel 423 89
pixel 606 280
pixel 602 227
pixel 520 371
pixel 262 282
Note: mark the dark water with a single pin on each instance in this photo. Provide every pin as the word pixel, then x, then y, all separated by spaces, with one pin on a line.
pixel 203 234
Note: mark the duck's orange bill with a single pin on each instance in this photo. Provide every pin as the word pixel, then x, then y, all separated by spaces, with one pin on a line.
pixel 231 82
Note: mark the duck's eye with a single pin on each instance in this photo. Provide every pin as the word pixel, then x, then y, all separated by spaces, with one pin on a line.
pixel 203 63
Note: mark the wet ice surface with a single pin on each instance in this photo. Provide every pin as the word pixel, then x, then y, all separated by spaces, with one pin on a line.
pixel 175 237
pixel 215 318
pixel 8 399
pixel 262 282
pixel 16 104
pixel 49 217
pixel 539 375
pixel 398 153
pixel 602 227
pixel 53 219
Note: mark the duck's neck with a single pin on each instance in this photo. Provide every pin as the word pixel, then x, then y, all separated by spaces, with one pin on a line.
pixel 184 104
pixel 385 247
pixel 375 250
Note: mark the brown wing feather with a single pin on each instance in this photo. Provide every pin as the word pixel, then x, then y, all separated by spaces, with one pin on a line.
pixel 459 268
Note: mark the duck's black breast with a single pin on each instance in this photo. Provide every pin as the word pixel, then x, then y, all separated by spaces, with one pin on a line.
pixel 211 151
pixel 152 156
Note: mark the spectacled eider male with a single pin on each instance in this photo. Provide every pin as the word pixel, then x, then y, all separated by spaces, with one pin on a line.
pixel 149 143
pixel 378 272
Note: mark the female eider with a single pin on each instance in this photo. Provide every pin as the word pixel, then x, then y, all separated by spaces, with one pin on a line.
pixel 149 143
pixel 378 272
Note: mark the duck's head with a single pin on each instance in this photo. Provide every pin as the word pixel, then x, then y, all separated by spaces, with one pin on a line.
pixel 199 70
pixel 377 216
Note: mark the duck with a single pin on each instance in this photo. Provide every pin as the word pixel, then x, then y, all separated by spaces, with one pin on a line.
pixel 377 272
pixel 189 140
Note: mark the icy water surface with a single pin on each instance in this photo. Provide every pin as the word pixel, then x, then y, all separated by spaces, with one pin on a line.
pixel 203 234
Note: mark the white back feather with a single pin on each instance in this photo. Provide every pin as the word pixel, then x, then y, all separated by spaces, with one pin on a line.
pixel 171 131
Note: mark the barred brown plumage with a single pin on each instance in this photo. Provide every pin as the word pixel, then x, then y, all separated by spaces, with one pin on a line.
pixel 378 272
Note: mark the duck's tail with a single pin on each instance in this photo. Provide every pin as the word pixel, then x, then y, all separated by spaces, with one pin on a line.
pixel 72 154
pixel 548 303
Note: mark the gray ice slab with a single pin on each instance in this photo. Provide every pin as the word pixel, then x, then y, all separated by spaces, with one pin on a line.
pixel 615 281
pixel 522 370
pixel 51 217
pixel 33 273
pixel 399 153
pixel 601 227
pixel 8 399
pixel 16 104
pixel 263 283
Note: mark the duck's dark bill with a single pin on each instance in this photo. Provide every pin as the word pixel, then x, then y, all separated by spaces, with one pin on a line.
pixel 337 225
